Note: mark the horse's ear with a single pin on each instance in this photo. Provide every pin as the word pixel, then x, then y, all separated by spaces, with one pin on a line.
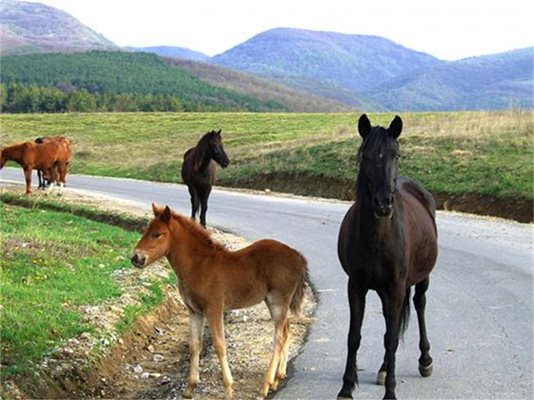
pixel 395 128
pixel 364 126
pixel 220 130
pixel 156 210
pixel 166 216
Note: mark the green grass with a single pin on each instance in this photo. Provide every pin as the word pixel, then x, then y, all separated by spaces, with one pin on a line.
pixel 488 153
pixel 52 263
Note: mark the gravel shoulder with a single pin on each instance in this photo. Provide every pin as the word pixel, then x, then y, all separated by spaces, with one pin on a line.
pixel 152 359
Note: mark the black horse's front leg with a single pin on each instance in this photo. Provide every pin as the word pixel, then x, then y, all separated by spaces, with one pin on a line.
pixel 392 302
pixel 204 207
pixel 357 308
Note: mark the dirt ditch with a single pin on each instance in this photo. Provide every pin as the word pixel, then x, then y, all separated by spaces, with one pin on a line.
pixel 517 208
pixel 151 360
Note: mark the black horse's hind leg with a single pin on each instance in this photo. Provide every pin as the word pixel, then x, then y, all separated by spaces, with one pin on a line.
pixel 357 308
pixel 195 202
pixel 204 206
pixel 41 180
pixel 419 300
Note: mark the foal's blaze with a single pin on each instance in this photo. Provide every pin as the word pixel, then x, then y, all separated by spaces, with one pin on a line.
pixel 212 279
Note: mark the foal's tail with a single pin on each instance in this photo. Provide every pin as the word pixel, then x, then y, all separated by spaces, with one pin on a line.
pixel 298 297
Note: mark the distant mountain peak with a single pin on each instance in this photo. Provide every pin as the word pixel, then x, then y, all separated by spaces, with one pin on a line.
pixel 34 27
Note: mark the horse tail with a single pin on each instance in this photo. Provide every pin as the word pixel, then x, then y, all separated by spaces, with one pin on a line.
pixel 298 297
pixel 405 313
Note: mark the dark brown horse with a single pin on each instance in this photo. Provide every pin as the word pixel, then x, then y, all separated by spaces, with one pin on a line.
pixel 199 170
pixel 46 156
pixel 387 243
pixel 212 279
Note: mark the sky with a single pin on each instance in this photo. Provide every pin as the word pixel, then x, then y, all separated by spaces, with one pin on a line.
pixel 446 29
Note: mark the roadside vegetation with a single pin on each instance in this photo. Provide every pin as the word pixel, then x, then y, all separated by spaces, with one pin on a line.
pixel 485 153
pixel 54 265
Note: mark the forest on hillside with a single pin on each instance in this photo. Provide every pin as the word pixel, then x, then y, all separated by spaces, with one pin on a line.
pixel 112 81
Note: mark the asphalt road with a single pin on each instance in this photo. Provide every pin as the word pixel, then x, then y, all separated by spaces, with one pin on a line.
pixel 480 301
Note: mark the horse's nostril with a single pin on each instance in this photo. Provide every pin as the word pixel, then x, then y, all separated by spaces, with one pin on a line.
pixel 138 260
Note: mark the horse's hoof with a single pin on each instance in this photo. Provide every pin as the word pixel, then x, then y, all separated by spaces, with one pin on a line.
pixel 345 393
pixel 264 391
pixel 425 371
pixel 381 378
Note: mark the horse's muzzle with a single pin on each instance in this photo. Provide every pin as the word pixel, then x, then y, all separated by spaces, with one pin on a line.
pixel 383 208
pixel 138 260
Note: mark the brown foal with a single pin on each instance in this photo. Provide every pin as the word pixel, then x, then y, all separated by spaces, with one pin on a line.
pixel 213 279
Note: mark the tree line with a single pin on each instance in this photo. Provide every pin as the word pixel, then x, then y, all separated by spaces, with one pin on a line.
pixel 18 98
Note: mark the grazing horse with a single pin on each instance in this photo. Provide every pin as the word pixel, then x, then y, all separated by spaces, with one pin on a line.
pixel 57 177
pixel 199 170
pixel 213 279
pixel 44 156
pixel 387 243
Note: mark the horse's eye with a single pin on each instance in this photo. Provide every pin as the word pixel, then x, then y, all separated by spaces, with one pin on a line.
pixel 156 235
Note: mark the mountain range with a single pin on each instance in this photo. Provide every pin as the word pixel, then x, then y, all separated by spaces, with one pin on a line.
pixel 360 71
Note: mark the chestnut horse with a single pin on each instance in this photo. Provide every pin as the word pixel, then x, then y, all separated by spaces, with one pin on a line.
pixel 387 243
pixel 30 155
pixel 199 170
pixel 213 279
pixel 56 177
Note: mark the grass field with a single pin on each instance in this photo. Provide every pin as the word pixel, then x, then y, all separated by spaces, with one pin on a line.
pixel 486 153
pixel 51 264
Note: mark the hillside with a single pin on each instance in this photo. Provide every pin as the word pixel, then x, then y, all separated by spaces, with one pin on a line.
pixel 251 85
pixel 497 81
pixel 109 73
pixel 324 63
pixel 34 28
pixel 129 81
pixel 172 51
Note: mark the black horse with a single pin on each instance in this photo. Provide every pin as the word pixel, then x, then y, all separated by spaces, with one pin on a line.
pixel 387 243
pixel 199 170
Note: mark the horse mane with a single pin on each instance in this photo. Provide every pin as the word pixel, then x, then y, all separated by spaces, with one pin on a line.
pixel 204 140
pixel 198 231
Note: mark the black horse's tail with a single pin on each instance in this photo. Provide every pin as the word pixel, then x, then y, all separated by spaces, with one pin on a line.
pixel 405 313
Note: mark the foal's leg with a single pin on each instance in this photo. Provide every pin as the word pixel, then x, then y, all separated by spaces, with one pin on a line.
pixel 357 308
pixel 215 322
pixel 281 373
pixel 419 300
pixel 196 327
pixel 279 310
pixel 392 302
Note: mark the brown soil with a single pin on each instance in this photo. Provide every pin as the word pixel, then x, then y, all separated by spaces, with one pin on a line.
pixel 151 360
pixel 519 209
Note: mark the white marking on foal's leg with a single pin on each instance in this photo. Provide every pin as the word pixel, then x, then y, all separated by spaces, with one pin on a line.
pixel 60 189
pixel 196 328
pixel 279 315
